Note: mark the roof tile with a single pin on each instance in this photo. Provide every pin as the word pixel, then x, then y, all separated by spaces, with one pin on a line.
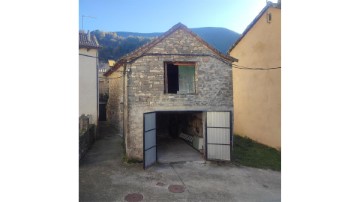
pixel 86 40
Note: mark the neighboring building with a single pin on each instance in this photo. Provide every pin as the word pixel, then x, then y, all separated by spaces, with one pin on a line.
pixel 88 83
pixel 103 88
pixel 177 85
pixel 103 82
pixel 257 78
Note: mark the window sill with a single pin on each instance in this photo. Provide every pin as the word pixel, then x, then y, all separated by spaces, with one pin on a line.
pixel 180 93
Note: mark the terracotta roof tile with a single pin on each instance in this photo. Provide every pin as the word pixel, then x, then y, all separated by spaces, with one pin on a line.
pixel 88 41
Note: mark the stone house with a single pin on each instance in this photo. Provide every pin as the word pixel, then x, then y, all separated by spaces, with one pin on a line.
pixel 176 86
pixel 103 88
pixel 257 78
pixel 103 82
pixel 88 76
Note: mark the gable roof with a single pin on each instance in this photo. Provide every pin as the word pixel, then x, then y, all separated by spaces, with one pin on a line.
pixel 143 49
pixel 88 41
pixel 248 28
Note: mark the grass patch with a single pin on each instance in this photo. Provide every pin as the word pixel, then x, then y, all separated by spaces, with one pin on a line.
pixel 250 153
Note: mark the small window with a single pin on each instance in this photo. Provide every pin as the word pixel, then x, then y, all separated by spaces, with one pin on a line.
pixel 179 77
pixel 269 17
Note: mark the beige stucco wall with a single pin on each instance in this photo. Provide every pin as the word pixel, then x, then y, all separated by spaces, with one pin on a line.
pixel 257 93
pixel 88 101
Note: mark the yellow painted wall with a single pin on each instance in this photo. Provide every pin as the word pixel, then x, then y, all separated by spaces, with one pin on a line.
pixel 88 100
pixel 257 93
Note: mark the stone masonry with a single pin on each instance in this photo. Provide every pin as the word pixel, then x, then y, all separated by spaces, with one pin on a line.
pixel 145 84
pixel 114 114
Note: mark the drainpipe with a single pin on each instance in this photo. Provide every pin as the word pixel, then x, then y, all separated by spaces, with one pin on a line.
pixel 125 103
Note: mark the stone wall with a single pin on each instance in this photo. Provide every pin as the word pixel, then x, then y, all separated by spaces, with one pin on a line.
pixel 86 136
pixel 114 113
pixel 103 89
pixel 103 80
pixel 213 83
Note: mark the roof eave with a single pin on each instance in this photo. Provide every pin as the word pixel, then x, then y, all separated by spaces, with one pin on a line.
pixel 116 66
pixel 254 21
pixel 227 57
pixel 90 47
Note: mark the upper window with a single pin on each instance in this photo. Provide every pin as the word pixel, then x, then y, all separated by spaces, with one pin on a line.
pixel 268 17
pixel 179 77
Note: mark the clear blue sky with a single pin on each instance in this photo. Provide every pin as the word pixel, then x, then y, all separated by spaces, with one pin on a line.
pixel 160 15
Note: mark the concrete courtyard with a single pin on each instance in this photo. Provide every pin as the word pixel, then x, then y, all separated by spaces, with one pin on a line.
pixel 105 177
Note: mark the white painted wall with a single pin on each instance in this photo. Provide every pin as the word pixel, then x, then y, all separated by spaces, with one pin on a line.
pixel 88 89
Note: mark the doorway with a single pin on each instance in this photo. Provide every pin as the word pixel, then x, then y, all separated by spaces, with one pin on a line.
pixel 102 111
pixel 180 136
pixel 173 136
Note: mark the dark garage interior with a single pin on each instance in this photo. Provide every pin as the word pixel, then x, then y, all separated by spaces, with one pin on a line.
pixel 180 136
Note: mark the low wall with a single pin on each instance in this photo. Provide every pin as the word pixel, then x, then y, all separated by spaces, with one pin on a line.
pixel 86 136
pixel 86 140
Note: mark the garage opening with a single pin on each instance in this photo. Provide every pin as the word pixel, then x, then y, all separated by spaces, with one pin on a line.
pixel 180 136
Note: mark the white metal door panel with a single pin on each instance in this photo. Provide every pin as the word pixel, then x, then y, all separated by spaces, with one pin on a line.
pixel 149 139
pixel 218 135
pixel 218 119
pixel 218 152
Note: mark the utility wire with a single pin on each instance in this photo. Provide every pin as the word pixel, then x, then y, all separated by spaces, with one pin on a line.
pixel 254 68
pixel 112 78
pixel 87 55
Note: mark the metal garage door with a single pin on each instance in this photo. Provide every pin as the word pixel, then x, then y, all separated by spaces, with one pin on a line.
pixel 218 135
pixel 149 141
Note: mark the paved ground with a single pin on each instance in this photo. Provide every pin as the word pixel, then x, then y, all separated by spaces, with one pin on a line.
pixel 171 149
pixel 104 177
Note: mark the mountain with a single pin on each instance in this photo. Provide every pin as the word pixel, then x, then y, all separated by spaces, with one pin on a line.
pixel 116 44
pixel 220 38
pixel 127 34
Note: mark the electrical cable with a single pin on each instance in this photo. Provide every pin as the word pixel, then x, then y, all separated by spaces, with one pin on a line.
pixel 253 68
pixel 87 55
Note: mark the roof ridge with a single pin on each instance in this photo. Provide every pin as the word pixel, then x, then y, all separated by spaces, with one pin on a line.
pixel 142 49
pixel 154 41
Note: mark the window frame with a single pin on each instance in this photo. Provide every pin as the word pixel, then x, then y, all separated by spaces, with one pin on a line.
pixel 179 63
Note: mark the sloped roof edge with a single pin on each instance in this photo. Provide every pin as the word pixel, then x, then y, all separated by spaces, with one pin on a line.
pixel 87 40
pixel 248 28
pixel 144 48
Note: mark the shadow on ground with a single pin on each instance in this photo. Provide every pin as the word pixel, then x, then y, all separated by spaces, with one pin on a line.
pixel 104 177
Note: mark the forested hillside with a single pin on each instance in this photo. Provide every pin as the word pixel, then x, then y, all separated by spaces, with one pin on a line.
pixel 116 44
